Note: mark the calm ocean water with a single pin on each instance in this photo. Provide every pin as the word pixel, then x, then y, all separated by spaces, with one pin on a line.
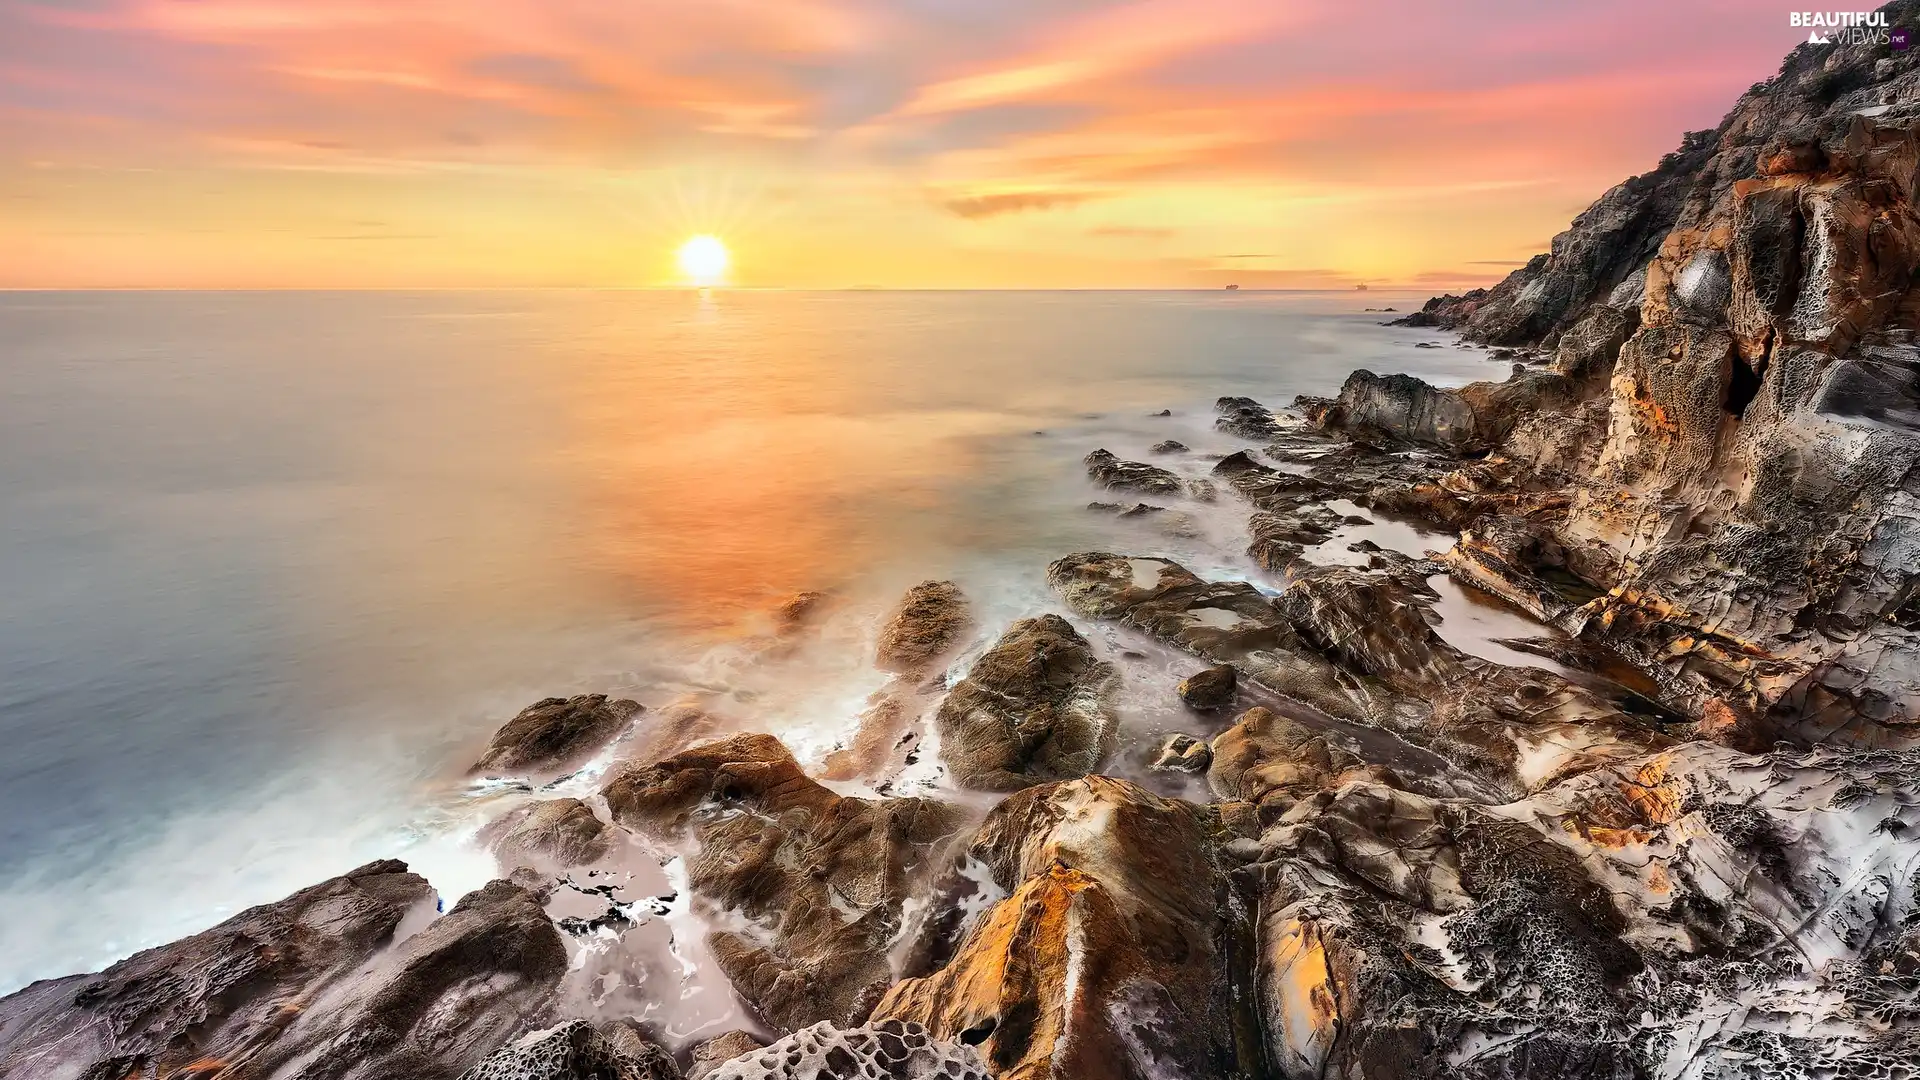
pixel 273 564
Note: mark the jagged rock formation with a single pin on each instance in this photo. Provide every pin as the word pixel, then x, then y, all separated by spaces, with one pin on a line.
pixel 887 1050
pixel 556 735
pixel 324 985
pixel 1111 957
pixel 576 1050
pixel 1034 708
pixel 821 877
pixel 1116 475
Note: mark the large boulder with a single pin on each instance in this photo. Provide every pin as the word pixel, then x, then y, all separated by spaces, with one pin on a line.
pixel 822 876
pixel 1036 707
pixel 1110 955
pixel 556 735
pixel 1472 419
pixel 326 984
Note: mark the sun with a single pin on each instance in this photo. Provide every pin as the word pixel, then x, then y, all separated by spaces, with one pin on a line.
pixel 704 259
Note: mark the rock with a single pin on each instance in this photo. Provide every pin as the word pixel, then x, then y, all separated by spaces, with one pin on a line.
pixel 556 735
pixel 1164 412
pixel 318 985
pixel 1034 708
pixel 821 876
pixel 929 623
pixel 1169 446
pixel 576 1051
pixel 555 833
pixel 1210 689
pixel 1223 622
pixel 1109 956
pixel 1245 418
pixel 1471 419
pixel 1116 475
pixel 922 633
pixel 888 1050
pixel 798 612
pixel 1183 753
pixel 1271 761
pixel 717 1051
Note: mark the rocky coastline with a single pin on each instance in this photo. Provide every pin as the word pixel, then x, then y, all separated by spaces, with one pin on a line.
pixel 1683 843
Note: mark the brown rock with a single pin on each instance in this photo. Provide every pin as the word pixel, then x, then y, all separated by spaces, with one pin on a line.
pixel 929 623
pixel 1107 958
pixel 556 735
pixel 826 873
pixel 1210 689
pixel 1034 708
pixel 554 833
pixel 717 1051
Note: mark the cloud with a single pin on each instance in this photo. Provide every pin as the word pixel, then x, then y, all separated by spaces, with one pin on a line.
pixel 1133 232
pixel 974 207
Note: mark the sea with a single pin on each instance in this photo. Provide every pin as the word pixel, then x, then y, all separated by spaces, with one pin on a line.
pixel 273 565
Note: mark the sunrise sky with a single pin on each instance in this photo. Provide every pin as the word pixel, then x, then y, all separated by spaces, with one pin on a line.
pixel 892 143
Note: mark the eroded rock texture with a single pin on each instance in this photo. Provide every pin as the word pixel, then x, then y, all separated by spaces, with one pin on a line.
pixel 556 735
pixel 1034 708
pixel 318 986
pixel 1112 955
pixel 813 881
pixel 576 1050
pixel 921 634
pixel 886 1050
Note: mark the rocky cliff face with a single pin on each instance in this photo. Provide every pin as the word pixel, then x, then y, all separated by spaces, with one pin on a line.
pixel 1738 455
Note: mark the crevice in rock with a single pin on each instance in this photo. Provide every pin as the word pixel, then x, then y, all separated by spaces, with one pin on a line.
pixel 1742 387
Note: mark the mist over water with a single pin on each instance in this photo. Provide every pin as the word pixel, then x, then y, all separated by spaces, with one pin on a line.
pixel 275 564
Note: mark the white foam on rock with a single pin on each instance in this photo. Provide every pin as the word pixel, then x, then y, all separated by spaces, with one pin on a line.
pixel 888 1050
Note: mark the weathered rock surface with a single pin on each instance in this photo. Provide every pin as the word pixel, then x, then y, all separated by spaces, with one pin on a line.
pixel 556 735
pixel 1113 954
pixel 1474 418
pixel 928 624
pixel 1183 753
pixel 1169 446
pixel 1034 708
pixel 717 1051
pixel 319 986
pixel 1245 418
pixel 576 1050
pixel 922 633
pixel 553 834
pixel 1114 474
pixel 887 1050
pixel 1210 689
pixel 820 877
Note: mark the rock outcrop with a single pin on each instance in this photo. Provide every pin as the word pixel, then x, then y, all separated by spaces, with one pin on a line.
pixel 328 984
pixel 576 1050
pixel 1111 957
pixel 1034 708
pixel 819 879
pixel 888 1050
pixel 552 834
pixel 922 633
pixel 555 736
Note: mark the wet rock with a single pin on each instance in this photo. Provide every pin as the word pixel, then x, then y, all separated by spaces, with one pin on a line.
pixel 798 612
pixel 1272 761
pixel 886 1050
pixel 1109 957
pixel 1116 475
pixel 717 1051
pixel 556 735
pixel 1245 418
pixel 554 833
pixel 318 986
pixel 1183 753
pixel 1472 419
pixel 928 624
pixel 919 637
pixel 575 1050
pixel 821 876
pixel 1036 707
pixel 1211 689
pixel 1226 622
pixel 1169 446
pixel 1592 927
